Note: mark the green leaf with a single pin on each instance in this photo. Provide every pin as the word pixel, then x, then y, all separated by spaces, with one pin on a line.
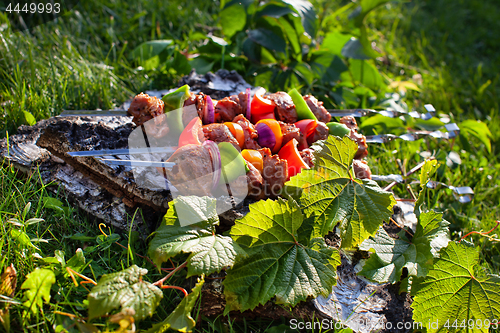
pixel 366 73
pixel 180 319
pixel 21 238
pixel 189 227
pixel 233 19
pixel 334 42
pixel 385 123
pixel 150 49
pixel 307 14
pixel 53 203
pixel 333 197
pixel 366 7
pixel 268 39
pixel 479 130
pixel 326 66
pixel 281 262
pixel 392 255
pixel 77 262
pixel 274 10
pixel 292 37
pixel 427 171
pixel 434 229
pixel 29 118
pixel 151 54
pixel 354 49
pixel 38 284
pixel 453 290
pixel 124 289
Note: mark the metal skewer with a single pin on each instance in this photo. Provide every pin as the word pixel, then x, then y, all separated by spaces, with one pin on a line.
pixel 94 113
pixel 358 113
pixel 139 163
pixel 125 151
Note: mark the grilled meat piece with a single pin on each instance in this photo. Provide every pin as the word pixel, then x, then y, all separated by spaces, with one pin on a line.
pixel 361 169
pixel 308 156
pixel 190 108
pixel 285 109
pixel 320 133
pixel 350 122
pixel 144 108
pixel 249 131
pixel 290 132
pixel 362 146
pixel 317 108
pixel 274 173
pixel 193 172
pixel 242 101
pixel 227 108
pixel 219 133
pixel 255 183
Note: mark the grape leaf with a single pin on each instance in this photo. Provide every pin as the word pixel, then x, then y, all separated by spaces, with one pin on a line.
pixel 453 290
pixel 427 171
pixel 331 195
pixel 433 228
pixel 278 264
pixel 209 252
pixel 38 284
pixel 124 289
pixel 180 319
pixel 392 255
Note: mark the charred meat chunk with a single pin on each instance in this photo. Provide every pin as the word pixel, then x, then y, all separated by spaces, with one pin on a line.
pixel 320 133
pixel 249 131
pixel 219 133
pixel 274 173
pixel 350 122
pixel 285 109
pixel 193 171
pixel 144 108
pixel 362 146
pixel 308 156
pixel 361 169
pixel 227 108
pixel 190 109
pixel 290 132
pixel 242 101
pixel 317 108
pixel 255 183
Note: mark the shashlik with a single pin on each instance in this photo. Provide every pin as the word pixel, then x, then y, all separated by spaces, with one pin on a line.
pixel 269 130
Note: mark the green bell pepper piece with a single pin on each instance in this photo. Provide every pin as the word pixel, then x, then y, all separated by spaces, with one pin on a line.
pixel 303 111
pixel 338 129
pixel 174 102
pixel 233 164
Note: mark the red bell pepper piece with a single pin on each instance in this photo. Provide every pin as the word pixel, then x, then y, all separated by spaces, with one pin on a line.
pixel 290 153
pixel 192 133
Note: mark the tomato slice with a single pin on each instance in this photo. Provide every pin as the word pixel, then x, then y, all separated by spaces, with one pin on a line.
pixel 261 105
pixel 192 133
pixel 237 132
pixel 275 127
pixel 254 157
pixel 290 153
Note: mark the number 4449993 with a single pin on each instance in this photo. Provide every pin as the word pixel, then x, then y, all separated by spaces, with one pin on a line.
pixel 32 8
pixel 471 324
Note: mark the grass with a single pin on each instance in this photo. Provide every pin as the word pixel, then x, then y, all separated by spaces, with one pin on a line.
pixel 81 61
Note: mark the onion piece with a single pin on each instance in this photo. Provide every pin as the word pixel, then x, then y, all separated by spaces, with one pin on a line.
pixel 208 111
pixel 216 161
pixel 266 136
pixel 249 104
